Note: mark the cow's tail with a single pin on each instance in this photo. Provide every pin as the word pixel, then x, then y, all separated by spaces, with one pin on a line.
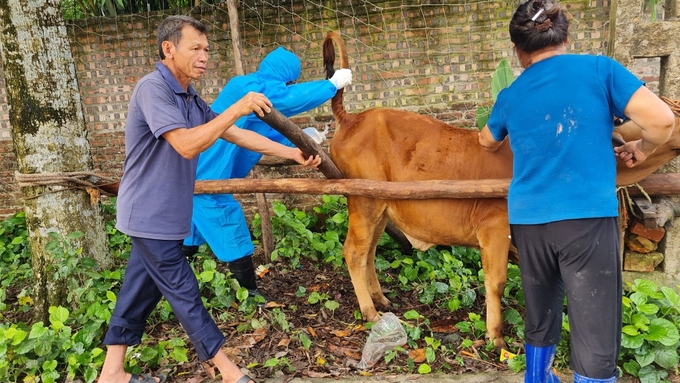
pixel 329 61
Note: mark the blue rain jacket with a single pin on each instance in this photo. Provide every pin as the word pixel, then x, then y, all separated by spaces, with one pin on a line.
pixel 224 160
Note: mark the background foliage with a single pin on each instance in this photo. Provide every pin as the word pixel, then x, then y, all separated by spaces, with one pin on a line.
pixel 449 278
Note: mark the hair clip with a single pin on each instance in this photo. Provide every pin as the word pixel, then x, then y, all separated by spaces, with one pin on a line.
pixel 537 14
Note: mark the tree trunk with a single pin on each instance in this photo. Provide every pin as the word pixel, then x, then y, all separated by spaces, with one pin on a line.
pixel 49 136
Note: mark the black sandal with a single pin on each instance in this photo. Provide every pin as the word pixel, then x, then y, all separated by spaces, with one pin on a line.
pixel 245 379
pixel 147 378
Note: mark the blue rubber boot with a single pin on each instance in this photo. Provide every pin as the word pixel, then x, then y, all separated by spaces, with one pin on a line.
pixel 582 379
pixel 539 364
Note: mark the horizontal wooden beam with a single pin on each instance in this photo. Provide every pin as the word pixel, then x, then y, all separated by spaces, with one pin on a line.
pixel 654 184
pixel 362 187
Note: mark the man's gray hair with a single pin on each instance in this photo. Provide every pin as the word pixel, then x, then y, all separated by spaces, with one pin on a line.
pixel 170 29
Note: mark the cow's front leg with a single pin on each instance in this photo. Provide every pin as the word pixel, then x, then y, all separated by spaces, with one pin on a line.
pixel 356 259
pixel 366 224
pixel 495 265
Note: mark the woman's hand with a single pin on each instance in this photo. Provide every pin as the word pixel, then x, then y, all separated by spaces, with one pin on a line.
pixel 312 161
pixel 634 152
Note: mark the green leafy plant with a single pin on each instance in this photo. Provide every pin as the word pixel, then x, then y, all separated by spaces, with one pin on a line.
pixel 15 264
pixel 650 340
pixel 315 236
pixel 474 326
pixel 69 345
pixel 501 78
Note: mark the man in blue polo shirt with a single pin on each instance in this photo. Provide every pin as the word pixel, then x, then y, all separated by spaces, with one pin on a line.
pixel 168 125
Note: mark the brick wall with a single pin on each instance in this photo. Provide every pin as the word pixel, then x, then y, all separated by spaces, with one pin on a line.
pixel 435 59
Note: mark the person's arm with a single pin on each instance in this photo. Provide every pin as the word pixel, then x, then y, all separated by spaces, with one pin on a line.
pixel 487 141
pixel 261 144
pixel 190 142
pixel 656 120
pixel 298 98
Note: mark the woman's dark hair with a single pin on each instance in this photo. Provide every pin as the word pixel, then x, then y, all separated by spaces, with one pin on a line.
pixel 170 29
pixel 537 24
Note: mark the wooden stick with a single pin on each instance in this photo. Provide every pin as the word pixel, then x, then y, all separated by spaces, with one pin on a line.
pixel 283 125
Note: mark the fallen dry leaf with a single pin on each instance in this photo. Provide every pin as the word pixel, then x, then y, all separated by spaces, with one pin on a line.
pixel 444 326
pixel 478 343
pixel 341 333
pixel 343 351
pixel 314 374
pixel 272 304
pixel 418 355
pixel 257 336
pixel 284 342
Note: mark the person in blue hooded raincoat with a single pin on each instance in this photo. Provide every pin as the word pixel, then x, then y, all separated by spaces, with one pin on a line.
pixel 218 218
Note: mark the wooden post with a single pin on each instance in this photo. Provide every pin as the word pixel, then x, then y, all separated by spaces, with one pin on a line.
pixel 265 217
pixel 235 36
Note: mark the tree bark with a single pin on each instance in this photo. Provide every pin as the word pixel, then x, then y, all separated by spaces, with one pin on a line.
pixel 49 135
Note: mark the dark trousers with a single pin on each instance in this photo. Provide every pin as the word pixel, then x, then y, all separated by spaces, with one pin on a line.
pixel 158 268
pixel 580 258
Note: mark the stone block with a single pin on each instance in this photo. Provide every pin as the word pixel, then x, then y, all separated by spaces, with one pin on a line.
pixel 640 244
pixel 634 261
pixel 638 228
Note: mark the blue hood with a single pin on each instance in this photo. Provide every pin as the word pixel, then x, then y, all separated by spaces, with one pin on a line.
pixel 280 64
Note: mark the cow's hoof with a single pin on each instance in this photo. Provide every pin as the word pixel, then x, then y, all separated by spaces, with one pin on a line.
pixel 382 301
pixel 499 344
pixel 372 317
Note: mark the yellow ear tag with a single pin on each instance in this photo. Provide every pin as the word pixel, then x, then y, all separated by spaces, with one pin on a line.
pixel 505 355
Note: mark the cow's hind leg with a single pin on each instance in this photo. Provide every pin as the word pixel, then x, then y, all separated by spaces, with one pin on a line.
pixel 495 245
pixel 366 224
pixel 374 288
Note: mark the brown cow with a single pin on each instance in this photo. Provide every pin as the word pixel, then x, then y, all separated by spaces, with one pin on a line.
pixel 394 145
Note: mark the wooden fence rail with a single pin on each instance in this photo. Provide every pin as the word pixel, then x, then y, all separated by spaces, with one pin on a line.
pixel 654 184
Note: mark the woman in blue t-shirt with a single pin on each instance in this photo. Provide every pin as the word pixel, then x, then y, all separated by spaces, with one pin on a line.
pixel 562 206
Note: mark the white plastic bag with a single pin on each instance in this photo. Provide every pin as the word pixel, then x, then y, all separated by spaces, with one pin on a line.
pixel 385 335
pixel 317 136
